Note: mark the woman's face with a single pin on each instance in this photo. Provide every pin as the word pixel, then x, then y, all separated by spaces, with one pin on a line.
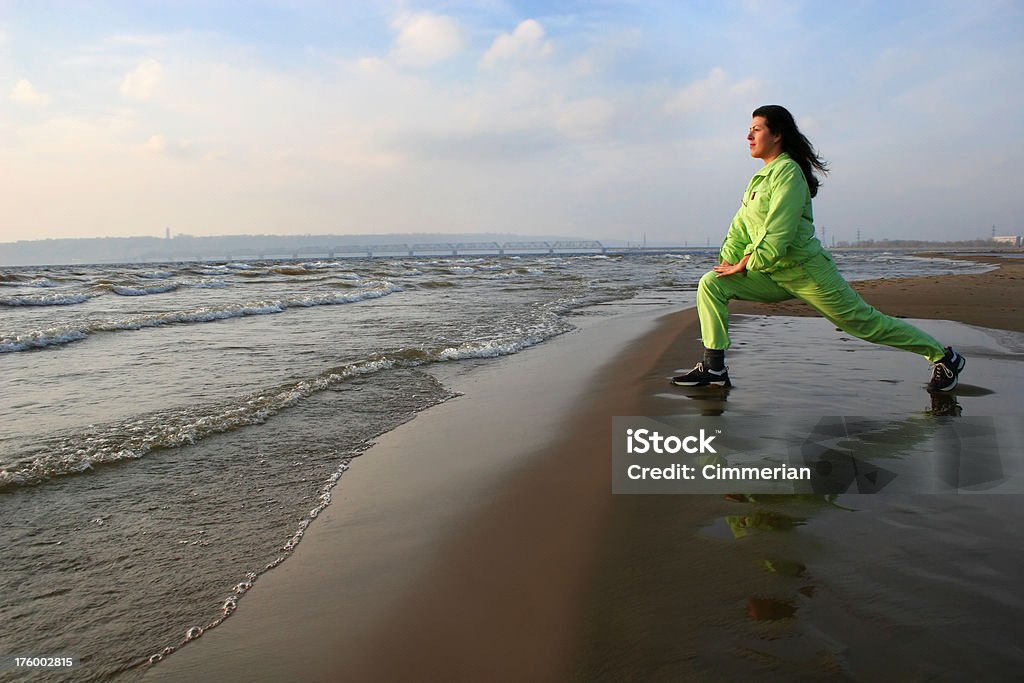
pixel 764 144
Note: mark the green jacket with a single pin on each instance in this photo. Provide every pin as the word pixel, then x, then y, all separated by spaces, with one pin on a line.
pixel 774 224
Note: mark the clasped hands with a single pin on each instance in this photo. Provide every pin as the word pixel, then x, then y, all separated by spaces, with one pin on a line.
pixel 725 268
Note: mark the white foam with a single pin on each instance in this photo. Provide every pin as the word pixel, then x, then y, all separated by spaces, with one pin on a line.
pixel 39 339
pixel 143 291
pixel 55 299
pixel 67 334
pixel 498 347
pixel 378 290
pixel 133 440
pixel 208 283
pixel 41 282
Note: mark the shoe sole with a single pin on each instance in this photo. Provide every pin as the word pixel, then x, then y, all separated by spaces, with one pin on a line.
pixel 723 383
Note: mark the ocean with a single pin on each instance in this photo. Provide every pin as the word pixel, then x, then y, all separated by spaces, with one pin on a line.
pixel 169 431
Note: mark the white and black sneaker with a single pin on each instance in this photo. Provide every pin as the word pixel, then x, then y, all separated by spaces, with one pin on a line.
pixel 946 371
pixel 702 376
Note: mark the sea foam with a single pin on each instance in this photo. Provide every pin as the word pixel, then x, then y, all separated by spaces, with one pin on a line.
pixel 143 291
pixel 55 299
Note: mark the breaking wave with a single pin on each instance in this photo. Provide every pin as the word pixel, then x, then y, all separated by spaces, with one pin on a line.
pixel 55 299
pixel 70 333
pixel 138 437
pixel 143 291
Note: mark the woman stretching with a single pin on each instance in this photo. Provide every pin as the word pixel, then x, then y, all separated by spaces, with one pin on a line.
pixel 771 254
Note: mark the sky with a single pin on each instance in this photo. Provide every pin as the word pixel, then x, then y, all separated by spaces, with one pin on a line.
pixel 602 120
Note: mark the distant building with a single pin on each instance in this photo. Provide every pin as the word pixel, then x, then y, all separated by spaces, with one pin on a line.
pixel 1012 240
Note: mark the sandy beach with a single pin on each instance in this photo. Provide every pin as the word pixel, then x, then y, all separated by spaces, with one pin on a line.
pixel 481 541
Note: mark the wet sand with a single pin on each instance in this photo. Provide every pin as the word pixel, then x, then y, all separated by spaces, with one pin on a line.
pixel 481 540
pixel 454 548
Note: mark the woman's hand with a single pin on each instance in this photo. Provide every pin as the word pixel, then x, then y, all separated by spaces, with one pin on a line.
pixel 725 268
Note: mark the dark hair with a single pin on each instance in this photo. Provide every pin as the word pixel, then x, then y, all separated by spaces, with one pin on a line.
pixel 794 143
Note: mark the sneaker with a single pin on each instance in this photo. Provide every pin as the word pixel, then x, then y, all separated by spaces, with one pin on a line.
pixel 946 371
pixel 702 377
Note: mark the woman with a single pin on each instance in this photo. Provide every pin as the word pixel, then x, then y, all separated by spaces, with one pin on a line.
pixel 771 254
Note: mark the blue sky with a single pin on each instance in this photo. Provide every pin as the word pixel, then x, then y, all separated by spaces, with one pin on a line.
pixel 597 119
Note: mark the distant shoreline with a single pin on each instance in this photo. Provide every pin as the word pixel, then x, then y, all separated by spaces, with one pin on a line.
pixel 227 248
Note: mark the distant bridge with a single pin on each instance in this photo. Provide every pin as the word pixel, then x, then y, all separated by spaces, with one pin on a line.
pixel 421 249
pixel 436 248
pixel 392 250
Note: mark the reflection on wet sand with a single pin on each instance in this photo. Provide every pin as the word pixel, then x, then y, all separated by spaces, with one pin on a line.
pixel 770 609
pixel 785 604
pixel 710 401
pixel 943 405
pixel 837 586
pixel 784 567
pixel 761 520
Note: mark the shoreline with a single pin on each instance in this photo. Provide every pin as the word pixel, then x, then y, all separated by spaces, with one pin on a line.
pixel 482 558
pixel 519 583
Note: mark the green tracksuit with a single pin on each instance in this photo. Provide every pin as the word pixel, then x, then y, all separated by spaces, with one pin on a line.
pixel 775 226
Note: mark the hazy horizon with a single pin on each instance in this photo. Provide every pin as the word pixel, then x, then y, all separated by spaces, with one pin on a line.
pixel 351 238
pixel 148 248
pixel 594 120
pixel 441 238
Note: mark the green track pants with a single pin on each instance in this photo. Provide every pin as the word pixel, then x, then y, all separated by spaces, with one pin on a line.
pixel 819 284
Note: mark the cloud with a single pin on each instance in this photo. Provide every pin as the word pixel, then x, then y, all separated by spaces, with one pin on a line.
pixel 73 139
pixel 159 145
pixel 141 84
pixel 584 118
pixel 526 41
pixel 136 40
pixel 715 92
pixel 371 65
pixel 156 144
pixel 24 93
pixel 425 39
